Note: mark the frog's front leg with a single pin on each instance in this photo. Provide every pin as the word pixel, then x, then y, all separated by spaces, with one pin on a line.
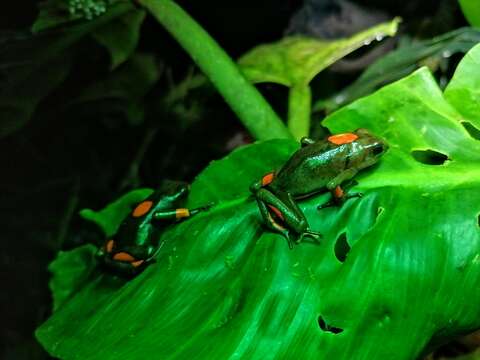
pixel 335 188
pixel 180 213
pixel 283 216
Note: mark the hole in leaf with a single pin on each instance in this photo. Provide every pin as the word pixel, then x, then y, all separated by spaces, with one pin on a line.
pixel 472 130
pixel 341 247
pixel 325 327
pixel 429 157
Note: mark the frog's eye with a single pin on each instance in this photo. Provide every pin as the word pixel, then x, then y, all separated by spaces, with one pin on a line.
pixel 142 208
pixel 378 149
pixel 110 244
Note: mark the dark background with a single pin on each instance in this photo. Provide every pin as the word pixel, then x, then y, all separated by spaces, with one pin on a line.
pixel 62 162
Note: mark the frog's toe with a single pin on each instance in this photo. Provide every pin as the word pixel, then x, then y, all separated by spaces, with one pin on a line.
pixel 309 234
pixel 328 204
pixel 353 195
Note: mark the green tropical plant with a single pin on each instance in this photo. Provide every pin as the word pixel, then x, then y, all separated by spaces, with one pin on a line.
pixel 389 280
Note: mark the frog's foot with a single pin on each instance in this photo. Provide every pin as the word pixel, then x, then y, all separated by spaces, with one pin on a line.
pixel 286 234
pixel 316 236
pixel 202 208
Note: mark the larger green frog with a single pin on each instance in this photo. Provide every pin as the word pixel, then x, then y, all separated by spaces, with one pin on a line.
pixel 318 166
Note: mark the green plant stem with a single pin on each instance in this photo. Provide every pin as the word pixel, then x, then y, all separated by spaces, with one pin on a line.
pixel 299 110
pixel 244 99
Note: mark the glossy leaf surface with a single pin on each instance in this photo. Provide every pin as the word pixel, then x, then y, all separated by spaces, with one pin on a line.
pixel 296 60
pixel 396 269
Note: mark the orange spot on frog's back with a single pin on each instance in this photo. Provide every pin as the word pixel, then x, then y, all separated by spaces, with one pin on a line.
pixel 124 257
pixel 109 246
pixel 142 208
pixel 341 139
pixel 267 179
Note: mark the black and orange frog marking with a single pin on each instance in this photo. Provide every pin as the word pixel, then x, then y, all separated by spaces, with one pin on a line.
pixel 135 244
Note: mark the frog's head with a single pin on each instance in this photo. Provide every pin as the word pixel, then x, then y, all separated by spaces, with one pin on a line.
pixel 370 147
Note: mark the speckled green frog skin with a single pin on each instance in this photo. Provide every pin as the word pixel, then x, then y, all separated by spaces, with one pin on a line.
pixel 134 245
pixel 318 166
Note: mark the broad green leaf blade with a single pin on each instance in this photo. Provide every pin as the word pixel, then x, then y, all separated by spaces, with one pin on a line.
pixel 400 63
pixel 121 36
pixel 471 10
pixel 395 270
pixel 297 60
pixel 109 218
pixel 463 91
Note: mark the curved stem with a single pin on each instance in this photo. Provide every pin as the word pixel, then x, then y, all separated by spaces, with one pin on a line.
pixel 244 99
pixel 299 110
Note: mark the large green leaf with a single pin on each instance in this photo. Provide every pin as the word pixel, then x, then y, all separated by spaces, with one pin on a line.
pixel 396 270
pixel 294 61
pixel 400 63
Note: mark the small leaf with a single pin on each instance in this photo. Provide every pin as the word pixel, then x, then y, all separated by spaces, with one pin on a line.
pixel 471 10
pixel 109 218
pixel 297 60
pixel 121 36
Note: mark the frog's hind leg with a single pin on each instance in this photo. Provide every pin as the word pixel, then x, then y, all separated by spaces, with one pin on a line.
pixel 288 212
pixel 272 224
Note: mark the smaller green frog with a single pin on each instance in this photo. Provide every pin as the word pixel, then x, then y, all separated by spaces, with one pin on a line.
pixel 134 245
pixel 318 166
